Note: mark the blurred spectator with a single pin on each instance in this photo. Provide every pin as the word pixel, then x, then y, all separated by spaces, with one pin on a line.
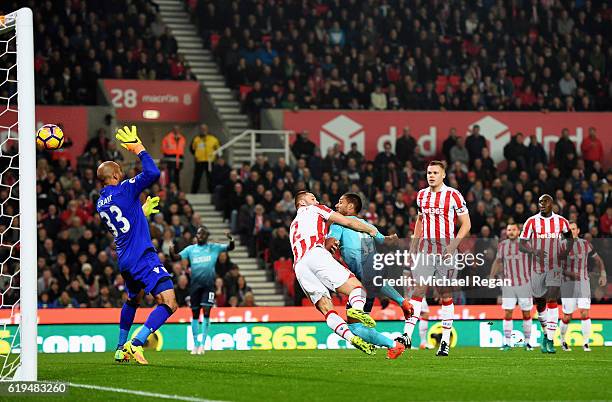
pixel 592 149
pixel 173 150
pixel 203 147
pixel 181 290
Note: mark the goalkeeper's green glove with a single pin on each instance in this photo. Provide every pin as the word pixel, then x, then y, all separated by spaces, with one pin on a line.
pixel 150 206
pixel 129 140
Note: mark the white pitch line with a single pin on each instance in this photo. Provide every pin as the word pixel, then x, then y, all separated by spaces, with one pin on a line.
pixel 141 393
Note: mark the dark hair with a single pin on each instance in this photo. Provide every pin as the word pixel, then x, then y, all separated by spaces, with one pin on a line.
pixel 354 199
pixel 298 197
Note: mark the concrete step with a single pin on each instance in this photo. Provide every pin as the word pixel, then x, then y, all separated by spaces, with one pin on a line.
pixel 228 104
pixel 219 90
pixel 229 111
pixel 214 83
pixel 224 97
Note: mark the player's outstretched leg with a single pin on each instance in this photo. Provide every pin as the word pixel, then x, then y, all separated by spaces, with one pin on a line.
pixel 340 327
pixel 394 348
pixel 166 306
pixel 128 312
pixel 357 299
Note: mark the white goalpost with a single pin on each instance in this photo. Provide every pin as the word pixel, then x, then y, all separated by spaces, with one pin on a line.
pixel 18 273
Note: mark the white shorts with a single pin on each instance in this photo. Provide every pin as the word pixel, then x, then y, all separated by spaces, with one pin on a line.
pixel 541 281
pixel 427 268
pixel 318 273
pixel 513 295
pixel 581 290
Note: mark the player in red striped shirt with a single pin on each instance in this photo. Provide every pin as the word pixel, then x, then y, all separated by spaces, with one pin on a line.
pixel 516 268
pixel 318 272
pixel 576 289
pixel 434 237
pixel 541 239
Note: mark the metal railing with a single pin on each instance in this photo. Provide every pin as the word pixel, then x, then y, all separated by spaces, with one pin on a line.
pixel 254 149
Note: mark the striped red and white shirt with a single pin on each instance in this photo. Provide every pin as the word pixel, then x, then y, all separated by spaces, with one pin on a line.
pixel 545 234
pixel 308 229
pixel 438 211
pixel 515 262
pixel 578 259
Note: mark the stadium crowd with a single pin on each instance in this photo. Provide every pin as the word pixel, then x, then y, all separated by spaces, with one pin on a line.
pixel 259 203
pixel 76 256
pixel 425 55
pixel 79 42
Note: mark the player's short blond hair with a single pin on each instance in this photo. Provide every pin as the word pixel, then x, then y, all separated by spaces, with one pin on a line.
pixel 442 164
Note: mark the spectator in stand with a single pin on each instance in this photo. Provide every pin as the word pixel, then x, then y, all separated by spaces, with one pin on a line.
pixel 459 153
pixel 565 153
pixel 474 143
pixel 449 143
pixel 535 154
pixel 592 150
pixel 302 146
pixel 383 158
pixel 516 151
pixel 173 151
pixel 405 147
pixel 181 290
pixel 378 99
pixel 203 147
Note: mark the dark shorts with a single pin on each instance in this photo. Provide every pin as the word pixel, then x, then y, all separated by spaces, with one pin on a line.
pixel 145 275
pixel 202 296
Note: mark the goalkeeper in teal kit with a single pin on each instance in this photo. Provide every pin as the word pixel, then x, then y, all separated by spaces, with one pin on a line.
pixel 357 251
pixel 120 210
pixel 202 258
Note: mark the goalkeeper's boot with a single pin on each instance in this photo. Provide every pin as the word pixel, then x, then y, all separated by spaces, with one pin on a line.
pixel 550 347
pixel 396 351
pixel 443 350
pixel 528 347
pixel 361 316
pixel 136 352
pixel 362 345
pixel 586 347
pixel 565 347
pixel 122 356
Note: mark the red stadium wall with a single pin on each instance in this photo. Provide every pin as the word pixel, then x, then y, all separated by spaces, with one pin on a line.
pixel 370 129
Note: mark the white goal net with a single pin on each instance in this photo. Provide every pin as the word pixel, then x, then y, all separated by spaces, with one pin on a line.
pixel 18 270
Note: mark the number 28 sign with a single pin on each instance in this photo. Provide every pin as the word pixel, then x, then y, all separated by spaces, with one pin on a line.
pixel 166 101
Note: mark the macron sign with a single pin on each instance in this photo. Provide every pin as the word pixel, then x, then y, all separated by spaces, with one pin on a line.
pixel 154 101
pixel 370 129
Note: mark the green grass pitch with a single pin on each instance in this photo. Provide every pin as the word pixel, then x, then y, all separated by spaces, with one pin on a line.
pixel 341 375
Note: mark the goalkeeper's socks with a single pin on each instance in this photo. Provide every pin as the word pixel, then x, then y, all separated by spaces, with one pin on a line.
pixel 447 312
pixel 370 335
pixel 156 319
pixel 204 330
pixel 195 330
pixel 338 325
pixel 128 312
pixel 392 294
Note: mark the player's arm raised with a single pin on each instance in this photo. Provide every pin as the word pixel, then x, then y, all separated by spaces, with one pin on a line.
pixel 231 245
pixel 354 224
pixel 128 138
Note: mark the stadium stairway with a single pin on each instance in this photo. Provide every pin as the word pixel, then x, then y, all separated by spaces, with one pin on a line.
pixel 205 68
pixel 265 291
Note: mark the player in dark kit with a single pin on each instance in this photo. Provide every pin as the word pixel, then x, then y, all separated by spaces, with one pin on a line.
pixel 202 258
pixel 120 209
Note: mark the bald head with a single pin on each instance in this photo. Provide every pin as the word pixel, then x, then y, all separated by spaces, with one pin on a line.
pixel 109 172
